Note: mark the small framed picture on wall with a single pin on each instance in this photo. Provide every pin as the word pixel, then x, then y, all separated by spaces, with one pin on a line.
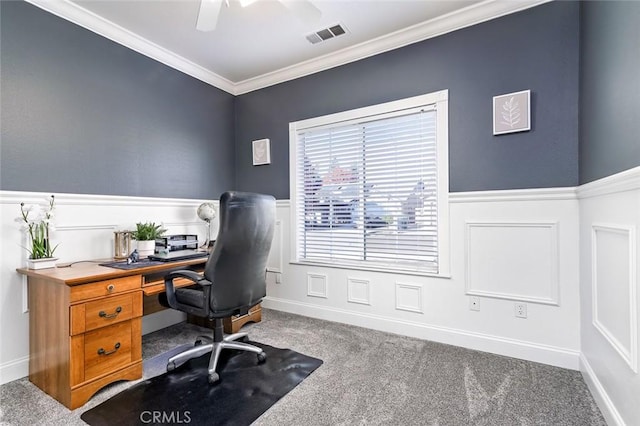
pixel 512 112
pixel 261 152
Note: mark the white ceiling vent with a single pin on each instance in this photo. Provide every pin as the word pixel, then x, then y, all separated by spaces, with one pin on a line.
pixel 326 33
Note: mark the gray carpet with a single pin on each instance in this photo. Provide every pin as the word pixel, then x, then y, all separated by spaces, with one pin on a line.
pixel 368 378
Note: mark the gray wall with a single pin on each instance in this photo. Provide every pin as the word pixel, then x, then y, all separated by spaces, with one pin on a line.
pixel 609 88
pixel 536 49
pixel 81 114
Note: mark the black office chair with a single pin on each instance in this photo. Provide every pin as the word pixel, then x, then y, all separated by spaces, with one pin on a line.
pixel 234 276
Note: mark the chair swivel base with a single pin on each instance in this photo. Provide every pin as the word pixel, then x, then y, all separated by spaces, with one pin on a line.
pixel 229 342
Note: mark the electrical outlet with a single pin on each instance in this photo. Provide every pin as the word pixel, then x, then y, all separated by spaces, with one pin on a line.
pixel 521 310
pixel 474 303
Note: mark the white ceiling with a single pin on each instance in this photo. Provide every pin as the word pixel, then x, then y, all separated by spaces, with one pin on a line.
pixel 264 43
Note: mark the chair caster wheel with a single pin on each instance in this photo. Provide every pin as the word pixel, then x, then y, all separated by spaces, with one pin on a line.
pixel 200 338
pixel 262 357
pixel 171 366
pixel 213 378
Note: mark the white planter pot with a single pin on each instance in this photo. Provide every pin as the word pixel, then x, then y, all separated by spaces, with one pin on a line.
pixel 146 248
pixel 47 262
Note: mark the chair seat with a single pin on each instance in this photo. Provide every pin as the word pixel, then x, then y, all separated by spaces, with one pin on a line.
pixel 190 297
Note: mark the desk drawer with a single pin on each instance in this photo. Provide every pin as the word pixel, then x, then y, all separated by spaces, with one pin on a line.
pixel 105 288
pixel 103 312
pixel 108 349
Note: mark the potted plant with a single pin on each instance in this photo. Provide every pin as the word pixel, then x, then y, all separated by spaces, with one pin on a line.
pixel 146 234
pixel 38 222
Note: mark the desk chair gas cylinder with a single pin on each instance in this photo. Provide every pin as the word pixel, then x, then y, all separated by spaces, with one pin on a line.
pixel 234 277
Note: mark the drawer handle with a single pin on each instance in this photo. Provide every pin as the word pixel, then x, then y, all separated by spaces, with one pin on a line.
pixel 103 314
pixel 110 288
pixel 101 351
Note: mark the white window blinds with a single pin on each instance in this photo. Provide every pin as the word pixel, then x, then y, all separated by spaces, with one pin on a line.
pixel 367 191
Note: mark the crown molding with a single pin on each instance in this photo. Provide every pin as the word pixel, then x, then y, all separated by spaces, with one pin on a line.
pixel 471 15
pixel 474 14
pixel 95 23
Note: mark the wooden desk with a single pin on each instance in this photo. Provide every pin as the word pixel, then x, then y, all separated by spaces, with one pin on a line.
pixel 85 325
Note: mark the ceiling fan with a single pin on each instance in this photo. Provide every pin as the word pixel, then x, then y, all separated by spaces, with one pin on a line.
pixel 210 11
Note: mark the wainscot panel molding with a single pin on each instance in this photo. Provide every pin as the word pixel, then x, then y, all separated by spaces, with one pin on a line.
pixel 359 291
pixel 409 297
pixel 438 309
pixel 317 285
pixel 274 263
pixel 614 287
pixel 513 260
pixel 84 230
pixel 609 220
pixel 551 355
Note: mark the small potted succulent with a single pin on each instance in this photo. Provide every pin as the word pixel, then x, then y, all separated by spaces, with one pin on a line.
pixel 145 234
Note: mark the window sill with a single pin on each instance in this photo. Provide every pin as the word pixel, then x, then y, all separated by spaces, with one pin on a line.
pixel 398 271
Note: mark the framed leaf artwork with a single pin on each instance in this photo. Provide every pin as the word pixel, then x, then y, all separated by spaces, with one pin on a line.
pixel 261 152
pixel 512 112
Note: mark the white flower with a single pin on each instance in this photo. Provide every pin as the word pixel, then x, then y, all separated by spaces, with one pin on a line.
pixel 37 220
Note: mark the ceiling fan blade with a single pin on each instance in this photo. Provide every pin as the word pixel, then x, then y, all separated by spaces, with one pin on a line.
pixel 303 10
pixel 208 14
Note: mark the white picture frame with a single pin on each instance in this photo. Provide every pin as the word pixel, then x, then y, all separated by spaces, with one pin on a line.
pixel 512 112
pixel 261 150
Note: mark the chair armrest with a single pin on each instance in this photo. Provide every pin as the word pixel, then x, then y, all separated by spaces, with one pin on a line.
pixel 169 288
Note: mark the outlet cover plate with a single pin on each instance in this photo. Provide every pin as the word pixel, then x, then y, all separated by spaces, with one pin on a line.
pixel 474 303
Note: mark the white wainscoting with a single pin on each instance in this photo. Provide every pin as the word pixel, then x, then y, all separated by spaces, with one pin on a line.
pixel 359 291
pixel 609 219
pixel 541 224
pixel 409 297
pixel 85 226
pixel 614 288
pixel 513 260
pixel 274 263
pixel 609 208
pixel 317 285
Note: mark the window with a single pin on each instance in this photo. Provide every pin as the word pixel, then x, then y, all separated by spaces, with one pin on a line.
pixel 369 187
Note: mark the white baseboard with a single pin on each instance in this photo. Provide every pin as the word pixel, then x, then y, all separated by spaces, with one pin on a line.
pixel 545 354
pixel 14 370
pixel 607 408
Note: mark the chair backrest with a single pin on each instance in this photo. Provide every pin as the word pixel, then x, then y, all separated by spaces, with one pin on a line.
pixel 237 265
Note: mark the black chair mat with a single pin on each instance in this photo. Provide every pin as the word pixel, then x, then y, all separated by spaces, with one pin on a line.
pixel 246 390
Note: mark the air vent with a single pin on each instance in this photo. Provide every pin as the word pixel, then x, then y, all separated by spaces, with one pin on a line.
pixel 326 34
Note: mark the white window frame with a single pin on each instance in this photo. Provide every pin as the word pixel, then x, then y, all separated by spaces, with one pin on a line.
pixel 439 100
